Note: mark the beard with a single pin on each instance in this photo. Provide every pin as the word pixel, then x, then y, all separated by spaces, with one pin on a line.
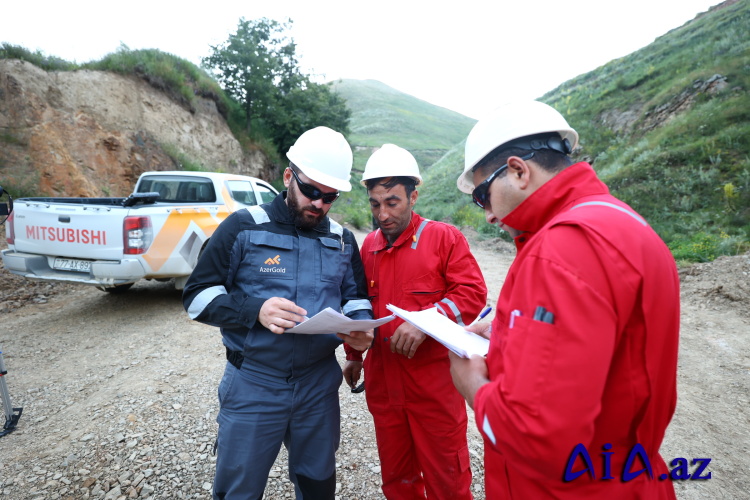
pixel 297 210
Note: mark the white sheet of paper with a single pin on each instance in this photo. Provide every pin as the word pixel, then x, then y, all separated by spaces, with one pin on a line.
pixel 445 331
pixel 330 321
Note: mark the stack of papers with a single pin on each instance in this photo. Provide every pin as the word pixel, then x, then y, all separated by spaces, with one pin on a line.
pixel 330 321
pixel 445 331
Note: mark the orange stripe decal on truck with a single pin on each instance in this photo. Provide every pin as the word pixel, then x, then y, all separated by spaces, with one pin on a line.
pixel 175 227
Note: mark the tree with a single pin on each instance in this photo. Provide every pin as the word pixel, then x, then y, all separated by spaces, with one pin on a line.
pixel 257 66
pixel 306 107
pixel 252 63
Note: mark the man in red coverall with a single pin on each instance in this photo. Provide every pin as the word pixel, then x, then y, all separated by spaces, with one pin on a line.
pixel 416 264
pixel 581 374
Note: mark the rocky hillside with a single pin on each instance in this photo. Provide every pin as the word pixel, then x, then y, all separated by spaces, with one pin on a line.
pixel 91 133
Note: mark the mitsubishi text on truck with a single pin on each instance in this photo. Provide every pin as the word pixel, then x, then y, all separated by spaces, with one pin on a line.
pixel 155 233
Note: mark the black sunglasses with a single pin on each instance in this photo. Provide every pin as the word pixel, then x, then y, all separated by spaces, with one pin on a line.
pixel 481 192
pixel 314 193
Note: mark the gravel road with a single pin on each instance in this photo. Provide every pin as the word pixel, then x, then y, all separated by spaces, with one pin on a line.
pixel 119 392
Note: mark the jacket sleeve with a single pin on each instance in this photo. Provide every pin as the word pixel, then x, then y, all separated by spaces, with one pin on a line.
pixel 547 395
pixel 466 292
pixel 209 296
pixel 355 301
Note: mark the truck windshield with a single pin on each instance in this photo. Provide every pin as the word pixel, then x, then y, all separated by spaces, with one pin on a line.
pixel 175 189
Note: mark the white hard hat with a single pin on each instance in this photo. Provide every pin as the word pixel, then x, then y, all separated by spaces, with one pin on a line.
pixel 324 156
pixel 391 161
pixel 507 123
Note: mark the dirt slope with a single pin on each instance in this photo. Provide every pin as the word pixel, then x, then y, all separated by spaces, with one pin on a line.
pixel 92 133
pixel 119 391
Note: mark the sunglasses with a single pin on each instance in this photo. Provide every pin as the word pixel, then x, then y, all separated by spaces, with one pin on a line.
pixel 481 193
pixel 314 193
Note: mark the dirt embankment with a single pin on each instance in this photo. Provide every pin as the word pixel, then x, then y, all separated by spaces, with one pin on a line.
pixel 119 392
pixel 92 133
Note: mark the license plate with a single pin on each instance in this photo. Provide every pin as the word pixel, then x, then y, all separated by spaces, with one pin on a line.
pixel 72 265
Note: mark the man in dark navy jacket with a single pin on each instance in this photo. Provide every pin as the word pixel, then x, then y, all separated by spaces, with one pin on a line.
pixel 266 268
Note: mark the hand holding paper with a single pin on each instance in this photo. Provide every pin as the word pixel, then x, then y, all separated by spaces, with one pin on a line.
pixel 277 314
pixel 358 340
pixel 445 331
pixel 330 321
pixel 406 339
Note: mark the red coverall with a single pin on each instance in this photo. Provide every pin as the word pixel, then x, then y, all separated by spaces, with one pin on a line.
pixel 420 418
pixel 605 371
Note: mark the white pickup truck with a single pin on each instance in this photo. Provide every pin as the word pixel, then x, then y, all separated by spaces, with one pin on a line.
pixel 155 233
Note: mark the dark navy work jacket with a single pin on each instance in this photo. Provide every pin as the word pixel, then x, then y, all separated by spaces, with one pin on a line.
pixel 257 253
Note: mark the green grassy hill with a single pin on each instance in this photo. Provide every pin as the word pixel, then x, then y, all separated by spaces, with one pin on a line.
pixel 666 127
pixel 380 115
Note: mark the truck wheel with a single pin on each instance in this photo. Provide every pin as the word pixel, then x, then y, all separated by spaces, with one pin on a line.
pixel 117 289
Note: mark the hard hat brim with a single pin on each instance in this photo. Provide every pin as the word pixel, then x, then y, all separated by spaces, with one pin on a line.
pixel 324 179
pixel 363 182
pixel 465 182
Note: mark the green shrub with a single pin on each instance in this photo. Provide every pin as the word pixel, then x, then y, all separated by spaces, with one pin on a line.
pixel 47 63
pixel 702 246
pixel 354 207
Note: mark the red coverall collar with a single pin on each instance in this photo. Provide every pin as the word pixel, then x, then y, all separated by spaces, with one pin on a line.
pixel 380 242
pixel 573 183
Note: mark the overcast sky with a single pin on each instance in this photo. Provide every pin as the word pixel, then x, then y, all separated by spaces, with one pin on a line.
pixel 468 55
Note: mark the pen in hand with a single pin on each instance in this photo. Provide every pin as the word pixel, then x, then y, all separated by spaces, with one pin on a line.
pixel 481 316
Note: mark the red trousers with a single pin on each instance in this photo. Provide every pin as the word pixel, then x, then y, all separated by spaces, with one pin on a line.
pixel 421 442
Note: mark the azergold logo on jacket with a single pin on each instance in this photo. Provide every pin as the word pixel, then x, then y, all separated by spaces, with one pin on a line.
pixel 274 263
pixel 271 261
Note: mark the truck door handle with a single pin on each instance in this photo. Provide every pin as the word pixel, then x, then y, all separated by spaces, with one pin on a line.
pixel 63 218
